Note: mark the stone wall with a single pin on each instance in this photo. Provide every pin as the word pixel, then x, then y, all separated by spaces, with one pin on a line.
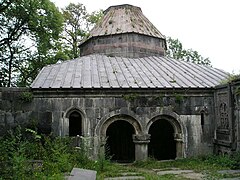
pixel 191 114
pixel 131 45
pixel 15 108
pixel 227 127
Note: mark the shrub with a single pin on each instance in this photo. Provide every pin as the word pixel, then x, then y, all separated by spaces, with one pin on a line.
pixel 26 97
pixel 20 148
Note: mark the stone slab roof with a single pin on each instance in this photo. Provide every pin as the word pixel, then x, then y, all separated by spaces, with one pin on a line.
pixel 100 71
pixel 124 19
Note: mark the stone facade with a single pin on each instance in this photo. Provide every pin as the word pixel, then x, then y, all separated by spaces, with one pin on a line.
pixel 50 111
pixel 130 108
pixel 130 45
pixel 227 108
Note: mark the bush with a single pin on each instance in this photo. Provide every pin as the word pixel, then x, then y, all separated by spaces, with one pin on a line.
pixel 21 148
pixel 226 161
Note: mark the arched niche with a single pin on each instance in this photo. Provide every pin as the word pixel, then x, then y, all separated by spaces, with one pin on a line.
pixel 166 140
pixel 118 132
pixel 119 144
pixel 75 123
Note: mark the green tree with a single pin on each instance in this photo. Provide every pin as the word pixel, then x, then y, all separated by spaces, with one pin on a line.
pixel 94 17
pixel 77 23
pixel 75 27
pixel 28 30
pixel 176 51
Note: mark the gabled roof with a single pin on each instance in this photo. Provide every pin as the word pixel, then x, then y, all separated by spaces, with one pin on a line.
pixel 124 19
pixel 99 71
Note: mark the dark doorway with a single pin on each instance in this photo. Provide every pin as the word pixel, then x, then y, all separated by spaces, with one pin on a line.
pixel 75 124
pixel 162 145
pixel 120 146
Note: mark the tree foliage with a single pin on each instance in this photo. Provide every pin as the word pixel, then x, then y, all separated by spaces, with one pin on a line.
pixel 34 33
pixel 176 51
pixel 28 31
pixel 77 23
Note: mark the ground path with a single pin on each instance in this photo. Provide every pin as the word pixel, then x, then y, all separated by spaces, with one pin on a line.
pixel 134 173
pixel 175 173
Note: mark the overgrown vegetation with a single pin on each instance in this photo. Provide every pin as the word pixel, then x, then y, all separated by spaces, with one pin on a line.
pixel 178 98
pixel 130 97
pixel 24 154
pixel 26 97
pixel 208 165
pixel 231 78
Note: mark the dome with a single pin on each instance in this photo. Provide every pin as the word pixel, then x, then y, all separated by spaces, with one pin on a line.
pixel 124 31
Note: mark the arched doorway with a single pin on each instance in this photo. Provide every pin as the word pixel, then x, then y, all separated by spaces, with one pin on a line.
pixel 75 124
pixel 120 146
pixel 162 145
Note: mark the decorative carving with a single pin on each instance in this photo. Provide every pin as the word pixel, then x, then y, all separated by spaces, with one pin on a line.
pixel 223 112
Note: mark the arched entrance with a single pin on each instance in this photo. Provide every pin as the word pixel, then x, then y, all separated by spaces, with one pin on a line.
pixel 120 146
pixel 162 144
pixel 75 124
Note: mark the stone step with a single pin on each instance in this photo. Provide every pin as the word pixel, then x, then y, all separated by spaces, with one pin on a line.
pixel 125 178
pixel 189 174
pixel 174 172
pixel 82 174
pixel 229 171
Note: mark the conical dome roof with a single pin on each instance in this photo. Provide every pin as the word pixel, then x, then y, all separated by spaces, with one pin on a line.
pixel 125 19
pixel 124 31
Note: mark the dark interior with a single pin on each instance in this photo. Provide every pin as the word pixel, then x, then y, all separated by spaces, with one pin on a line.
pixel 120 146
pixel 162 145
pixel 75 124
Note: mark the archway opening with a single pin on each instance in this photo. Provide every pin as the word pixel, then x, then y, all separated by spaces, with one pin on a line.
pixel 162 145
pixel 120 146
pixel 75 124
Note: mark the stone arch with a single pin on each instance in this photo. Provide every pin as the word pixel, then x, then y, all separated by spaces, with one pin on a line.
pixel 107 120
pixel 82 117
pixel 169 121
pixel 173 120
pixel 117 132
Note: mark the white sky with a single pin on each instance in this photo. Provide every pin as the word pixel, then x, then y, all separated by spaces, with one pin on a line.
pixel 211 27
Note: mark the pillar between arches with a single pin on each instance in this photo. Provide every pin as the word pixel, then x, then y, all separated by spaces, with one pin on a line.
pixel 141 146
pixel 179 142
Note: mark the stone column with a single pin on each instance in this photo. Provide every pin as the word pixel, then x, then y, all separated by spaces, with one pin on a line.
pixel 179 145
pixel 141 146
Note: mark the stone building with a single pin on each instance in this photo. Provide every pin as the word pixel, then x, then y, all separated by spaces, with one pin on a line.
pixel 124 91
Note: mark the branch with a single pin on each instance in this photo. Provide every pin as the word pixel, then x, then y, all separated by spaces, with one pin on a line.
pixel 7 4
pixel 13 33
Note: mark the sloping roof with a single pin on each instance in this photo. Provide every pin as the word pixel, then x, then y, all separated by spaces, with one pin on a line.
pixel 124 19
pixel 99 71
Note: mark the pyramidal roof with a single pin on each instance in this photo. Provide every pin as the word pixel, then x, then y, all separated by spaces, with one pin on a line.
pixel 124 19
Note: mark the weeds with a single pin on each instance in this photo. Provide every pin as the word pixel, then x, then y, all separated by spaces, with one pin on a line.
pixel 24 154
pixel 26 97
pixel 21 148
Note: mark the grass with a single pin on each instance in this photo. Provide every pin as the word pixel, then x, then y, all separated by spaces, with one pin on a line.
pixel 58 157
pixel 207 165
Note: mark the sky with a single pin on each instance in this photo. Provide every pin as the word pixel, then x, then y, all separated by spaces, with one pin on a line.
pixel 211 27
